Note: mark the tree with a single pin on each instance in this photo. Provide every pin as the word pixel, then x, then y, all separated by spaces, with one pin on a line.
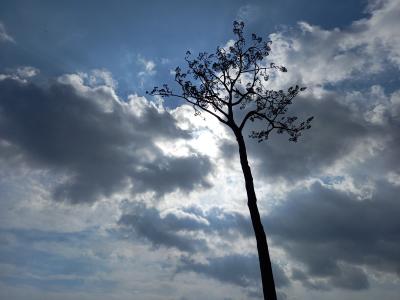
pixel 230 85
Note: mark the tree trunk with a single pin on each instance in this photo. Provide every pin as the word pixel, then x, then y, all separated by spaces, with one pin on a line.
pixel 262 246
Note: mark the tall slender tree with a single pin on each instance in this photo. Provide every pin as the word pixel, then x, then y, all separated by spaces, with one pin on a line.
pixel 231 85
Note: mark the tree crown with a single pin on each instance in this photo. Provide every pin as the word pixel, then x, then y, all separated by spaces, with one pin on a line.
pixel 234 78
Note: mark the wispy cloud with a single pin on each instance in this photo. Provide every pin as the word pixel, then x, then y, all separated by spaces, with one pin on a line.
pixel 149 66
pixel 4 36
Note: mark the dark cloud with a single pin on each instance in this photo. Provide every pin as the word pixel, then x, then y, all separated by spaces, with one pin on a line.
pixel 340 126
pixel 223 222
pixel 241 270
pixel 180 228
pixel 334 234
pixel 168 172
pixel 351 277
pixel 345 277
pixel 147 223
pixel 335 131
pixel 94 140
pixel 228 149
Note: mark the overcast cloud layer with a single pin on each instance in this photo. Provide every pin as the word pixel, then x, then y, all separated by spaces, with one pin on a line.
pixel 107 194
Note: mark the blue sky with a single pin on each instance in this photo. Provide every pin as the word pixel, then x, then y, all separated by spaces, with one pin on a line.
pixel 65 37
pixel 107 193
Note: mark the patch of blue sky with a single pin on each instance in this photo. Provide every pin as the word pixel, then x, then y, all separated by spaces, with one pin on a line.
pixel 389 79
pixel 71 36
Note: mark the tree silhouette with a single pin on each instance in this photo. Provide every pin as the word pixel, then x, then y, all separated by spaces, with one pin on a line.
pixel 230 85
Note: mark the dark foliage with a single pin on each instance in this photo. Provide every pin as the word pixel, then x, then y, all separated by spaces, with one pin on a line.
pixel 236 76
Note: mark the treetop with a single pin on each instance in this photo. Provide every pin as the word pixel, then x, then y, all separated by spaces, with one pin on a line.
pixel 235 78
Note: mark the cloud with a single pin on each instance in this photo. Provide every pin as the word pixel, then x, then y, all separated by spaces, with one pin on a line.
pixel 352 131
pixel 148 65
pixel 345 277
pixel 102 77
pixel 315 55
pixel 241 270
pixel 342 229
pixel 193 231
pixel 4 36
pixel 337 236
pixel 379 31
pixel 350 125
pixel 147 223
pixel 96 142
pixel 22 73
pixel 328 141
pixel 339 230
pixel 27 71
pixel 188 229
pixel 339 233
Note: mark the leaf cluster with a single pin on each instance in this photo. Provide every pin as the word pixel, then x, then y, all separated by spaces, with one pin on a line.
pixel 235 78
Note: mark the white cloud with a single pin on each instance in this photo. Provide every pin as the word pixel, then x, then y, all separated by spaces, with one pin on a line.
pixel 148 65
pixel 96 77
pixel 102 76
pixel 27 71
pixel 317 56
pixel 20 74
pixel 379 33
pixel 96 86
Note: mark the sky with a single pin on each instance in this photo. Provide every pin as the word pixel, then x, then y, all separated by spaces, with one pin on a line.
pixel 109 193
